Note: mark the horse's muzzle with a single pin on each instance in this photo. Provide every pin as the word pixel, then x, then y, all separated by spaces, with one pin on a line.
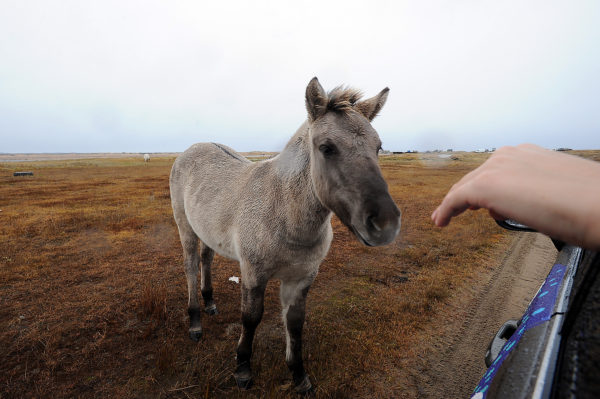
pixel 378 226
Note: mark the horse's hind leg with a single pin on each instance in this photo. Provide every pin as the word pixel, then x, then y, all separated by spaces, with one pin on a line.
pixel 189 241
pixel 206 257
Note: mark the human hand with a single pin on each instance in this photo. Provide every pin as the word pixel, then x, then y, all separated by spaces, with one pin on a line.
pixel 554 193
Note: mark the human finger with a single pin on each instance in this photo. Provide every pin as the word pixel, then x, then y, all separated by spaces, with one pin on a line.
pixel 453 205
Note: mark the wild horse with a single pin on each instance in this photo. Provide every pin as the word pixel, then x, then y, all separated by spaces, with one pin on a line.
pixel 274 216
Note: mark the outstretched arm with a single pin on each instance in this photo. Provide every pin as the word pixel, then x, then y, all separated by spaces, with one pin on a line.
pixel 554 193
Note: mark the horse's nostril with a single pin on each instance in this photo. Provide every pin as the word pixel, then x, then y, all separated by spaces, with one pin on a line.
pixel 372 224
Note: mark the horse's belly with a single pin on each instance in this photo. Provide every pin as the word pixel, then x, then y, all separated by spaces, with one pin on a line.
pixel 224 247
pixel 222 242
pixel 213 224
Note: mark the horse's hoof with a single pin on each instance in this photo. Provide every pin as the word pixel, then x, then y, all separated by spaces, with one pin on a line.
pixel 305 388
pixel 243 376
pixel 211 310
pixel 243 382
pixel 196 333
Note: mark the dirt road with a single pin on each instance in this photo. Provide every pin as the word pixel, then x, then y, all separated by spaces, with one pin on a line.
pixel 457 361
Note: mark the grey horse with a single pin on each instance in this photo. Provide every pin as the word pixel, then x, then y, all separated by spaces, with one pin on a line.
pixel 274 216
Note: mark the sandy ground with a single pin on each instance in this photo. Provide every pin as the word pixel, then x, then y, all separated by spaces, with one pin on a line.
pixel 456 363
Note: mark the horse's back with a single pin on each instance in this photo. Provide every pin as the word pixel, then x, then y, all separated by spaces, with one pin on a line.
pixel 207 162
pixel 204 154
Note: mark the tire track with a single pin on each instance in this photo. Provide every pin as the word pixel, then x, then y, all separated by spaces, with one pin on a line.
pixel 453 369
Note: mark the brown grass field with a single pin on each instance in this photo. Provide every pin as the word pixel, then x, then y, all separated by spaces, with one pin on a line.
pixel 93 294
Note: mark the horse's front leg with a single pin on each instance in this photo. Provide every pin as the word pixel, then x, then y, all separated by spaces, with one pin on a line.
pixel 252 311
pixel 293 303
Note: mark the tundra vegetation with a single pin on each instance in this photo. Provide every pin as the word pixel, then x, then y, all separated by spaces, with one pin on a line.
pixel 93 295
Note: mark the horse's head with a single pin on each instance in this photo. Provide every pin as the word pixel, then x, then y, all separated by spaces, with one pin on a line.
pixel 344 162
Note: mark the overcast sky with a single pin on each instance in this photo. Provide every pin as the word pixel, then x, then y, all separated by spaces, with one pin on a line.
pixel 146 76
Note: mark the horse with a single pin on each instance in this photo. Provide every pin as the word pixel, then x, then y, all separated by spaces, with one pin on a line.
pixel 146 157
pixel 274 216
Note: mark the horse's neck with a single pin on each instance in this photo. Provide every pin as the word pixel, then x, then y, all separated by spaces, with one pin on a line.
pixel 294 161
pixel 292 167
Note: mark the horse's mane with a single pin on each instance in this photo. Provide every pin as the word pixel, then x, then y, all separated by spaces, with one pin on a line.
pixel 342 99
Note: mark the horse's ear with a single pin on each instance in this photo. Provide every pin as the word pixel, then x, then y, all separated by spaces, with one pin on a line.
pixel 371 107
pixel 316 100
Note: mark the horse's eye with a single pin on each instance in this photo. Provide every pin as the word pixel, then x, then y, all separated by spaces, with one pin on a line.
pixel 327 150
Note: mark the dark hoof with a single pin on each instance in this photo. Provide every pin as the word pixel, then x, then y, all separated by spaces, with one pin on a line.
pixel 211 310
pixel 244 383
pixel 196 334
pixel 243 376
pixel 305 388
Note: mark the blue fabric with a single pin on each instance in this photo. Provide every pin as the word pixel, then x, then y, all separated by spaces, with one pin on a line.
pixel 539 311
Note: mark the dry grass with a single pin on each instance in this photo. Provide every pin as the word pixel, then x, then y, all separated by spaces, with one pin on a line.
pixel 93 294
